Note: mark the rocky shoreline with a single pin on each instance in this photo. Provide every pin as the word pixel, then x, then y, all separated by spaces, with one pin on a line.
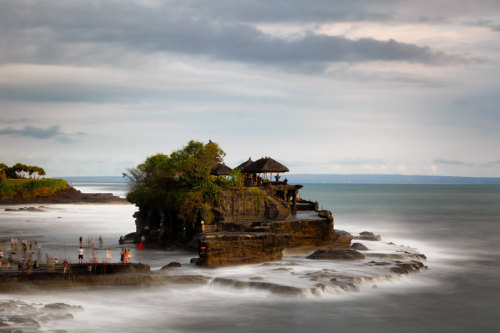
pixel 69 195
pixel 391 262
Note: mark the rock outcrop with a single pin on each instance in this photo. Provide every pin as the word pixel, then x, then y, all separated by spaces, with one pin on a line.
pixel 337 254
pixel 67 196
pixel 236 248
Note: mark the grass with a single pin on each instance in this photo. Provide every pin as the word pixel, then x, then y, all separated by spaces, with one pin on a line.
pixel 30 188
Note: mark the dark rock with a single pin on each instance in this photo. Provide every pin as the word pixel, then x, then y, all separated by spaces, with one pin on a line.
pixel 359 247
pixel 337 254
pixel 173 264
pixel 406 267
pixel 26 209
pixel 187 279
pixel 366 235
pixel 61 307
pixel 272 287
pixel 193 260
pixel 128 238
pixel 378 263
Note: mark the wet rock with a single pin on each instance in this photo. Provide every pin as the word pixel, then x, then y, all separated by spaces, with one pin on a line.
pixel 337 254
pixel 61 307
pixel 370 236
pixel 193 260
pixel 187 279
pixel 397 256
pixel 378 263
pixel 173 264
pixel 272 287
pixel 259 278
pixel 26 209
pixel 406 267
pixel 55 316
pixel 359 247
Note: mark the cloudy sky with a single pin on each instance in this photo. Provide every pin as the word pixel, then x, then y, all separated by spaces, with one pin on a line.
pixel 92 87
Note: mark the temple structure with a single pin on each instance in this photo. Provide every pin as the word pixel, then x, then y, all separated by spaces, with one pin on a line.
pixel 257 223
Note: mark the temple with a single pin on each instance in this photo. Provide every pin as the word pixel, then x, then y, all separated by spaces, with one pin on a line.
pixel 266 217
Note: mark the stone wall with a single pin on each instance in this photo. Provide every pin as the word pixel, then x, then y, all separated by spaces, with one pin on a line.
pixel 250 205
pixel 305 232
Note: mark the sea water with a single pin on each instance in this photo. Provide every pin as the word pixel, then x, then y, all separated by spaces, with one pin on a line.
pixel 455 226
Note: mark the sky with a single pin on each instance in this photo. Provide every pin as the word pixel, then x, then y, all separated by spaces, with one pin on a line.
pixel 91 87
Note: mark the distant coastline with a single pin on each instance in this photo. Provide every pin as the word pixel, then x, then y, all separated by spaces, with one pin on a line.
pixel 338 179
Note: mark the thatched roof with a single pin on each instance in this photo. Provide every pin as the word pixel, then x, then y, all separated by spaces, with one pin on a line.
pixel 265 164
pixel 244 164
pixel 221 170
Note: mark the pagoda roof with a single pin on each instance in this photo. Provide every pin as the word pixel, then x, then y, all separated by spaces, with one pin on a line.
pixel 265 164
pixel 244 164
pixel 221 170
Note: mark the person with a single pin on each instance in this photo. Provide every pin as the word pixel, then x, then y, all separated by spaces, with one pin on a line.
pixel 1 254
pixel 80 255
pixel 108 255
pixel 65 267
pixel 9 262
pixel 122 255
pixel 81 240
pixel 100 241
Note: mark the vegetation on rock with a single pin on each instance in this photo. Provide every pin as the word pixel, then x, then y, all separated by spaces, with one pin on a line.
pixel 178 188
pixel 19 181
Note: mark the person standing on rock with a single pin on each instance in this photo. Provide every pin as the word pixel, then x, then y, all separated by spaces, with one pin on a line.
pixel 108 256
pixel 80 255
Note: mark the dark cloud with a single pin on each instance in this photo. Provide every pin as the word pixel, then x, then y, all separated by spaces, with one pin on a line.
pixel 491 164
pixel 452 162
pixel 52 132
pixel 45 31
pixel 289 10
pixel 486 24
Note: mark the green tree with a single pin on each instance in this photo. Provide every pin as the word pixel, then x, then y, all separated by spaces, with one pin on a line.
pixel 3 170
pixel 178 184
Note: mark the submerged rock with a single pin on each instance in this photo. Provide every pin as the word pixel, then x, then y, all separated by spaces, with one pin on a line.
pixel 337 254
pixel 370 236
pixel 359 247
pixel 406 267
pixel 26 209
pixel 61 307
pixel 173 264
pixel 272 287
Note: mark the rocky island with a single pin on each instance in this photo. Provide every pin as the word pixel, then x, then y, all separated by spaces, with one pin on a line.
pixel 248 214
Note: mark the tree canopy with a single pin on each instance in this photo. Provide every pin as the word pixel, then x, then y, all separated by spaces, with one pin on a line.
pixel 179 182
pixel 20 170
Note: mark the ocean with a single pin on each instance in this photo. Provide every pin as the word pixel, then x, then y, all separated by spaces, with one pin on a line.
pixel 456 226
